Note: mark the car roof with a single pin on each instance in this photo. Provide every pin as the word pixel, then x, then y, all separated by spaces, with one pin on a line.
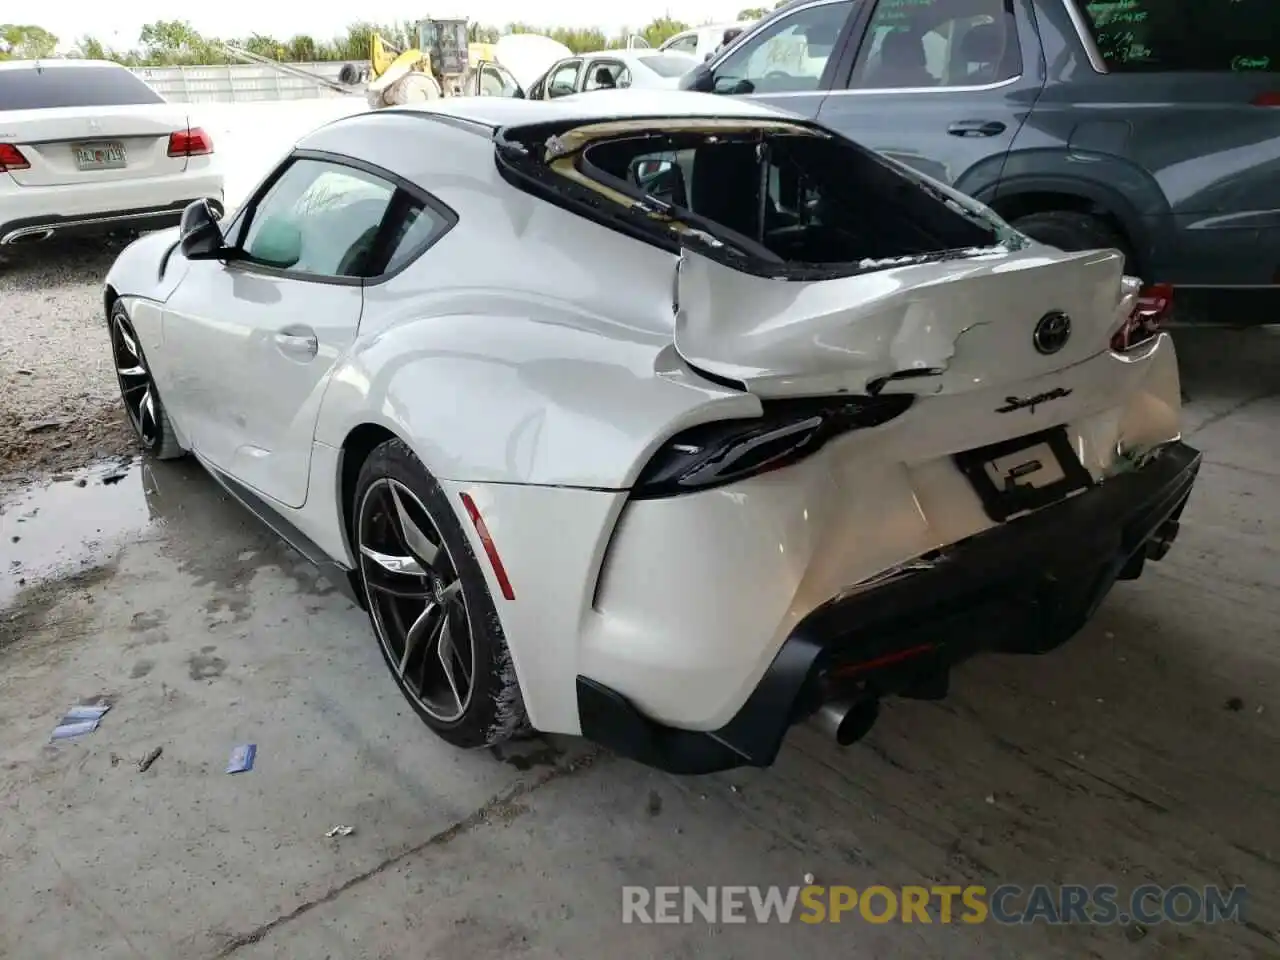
pixel 627 55
pixel 495 112
pixel 57 64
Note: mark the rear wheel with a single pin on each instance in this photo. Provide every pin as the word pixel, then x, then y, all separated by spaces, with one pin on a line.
pixel 1072 231
pixel 431 609
pixel 138 391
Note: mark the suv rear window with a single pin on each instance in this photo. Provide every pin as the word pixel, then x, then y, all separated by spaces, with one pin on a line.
pixel 34 89
pixel 1212 36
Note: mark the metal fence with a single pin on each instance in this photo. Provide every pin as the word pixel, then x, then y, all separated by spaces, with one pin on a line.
pixel 238 83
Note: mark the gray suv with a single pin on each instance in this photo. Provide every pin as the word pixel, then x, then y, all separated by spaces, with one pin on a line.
pixel 1151 126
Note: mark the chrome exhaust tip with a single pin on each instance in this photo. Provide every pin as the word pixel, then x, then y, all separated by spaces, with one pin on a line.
pixel 19 237
pixel 847 721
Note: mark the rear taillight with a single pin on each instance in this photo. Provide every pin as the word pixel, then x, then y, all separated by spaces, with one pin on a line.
pixel 1269 99
pixel 726 451
pixel 192 142
pixel 11 158
pixel 1151 310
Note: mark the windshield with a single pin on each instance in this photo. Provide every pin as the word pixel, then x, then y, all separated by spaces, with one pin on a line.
pixel 669 64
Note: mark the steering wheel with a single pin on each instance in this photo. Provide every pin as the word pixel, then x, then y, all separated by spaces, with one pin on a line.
pixel 777 75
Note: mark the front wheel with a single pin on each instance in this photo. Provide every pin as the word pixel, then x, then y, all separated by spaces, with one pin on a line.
pixel 431 609
pixel 138 391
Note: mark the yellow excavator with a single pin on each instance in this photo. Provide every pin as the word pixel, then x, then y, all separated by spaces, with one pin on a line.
pixel 439 66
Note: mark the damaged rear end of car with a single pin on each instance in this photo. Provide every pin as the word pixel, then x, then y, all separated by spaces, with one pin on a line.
pixel 964 438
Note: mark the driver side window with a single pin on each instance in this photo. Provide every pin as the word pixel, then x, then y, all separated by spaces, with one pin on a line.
pixel 788 56
pixel 320 219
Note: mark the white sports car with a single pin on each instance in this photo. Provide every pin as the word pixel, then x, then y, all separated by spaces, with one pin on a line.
pixel 672 459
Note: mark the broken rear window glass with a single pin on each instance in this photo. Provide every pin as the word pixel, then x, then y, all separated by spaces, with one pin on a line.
pixel 797 198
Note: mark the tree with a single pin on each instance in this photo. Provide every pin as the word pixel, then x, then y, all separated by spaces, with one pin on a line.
pixel 27 42
pixel 662 29
pixel 177 42
pixel 753 13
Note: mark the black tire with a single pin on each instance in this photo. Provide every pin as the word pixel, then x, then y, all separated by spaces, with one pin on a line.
pixel 1073 232
pixel 154 431
pixel 494 711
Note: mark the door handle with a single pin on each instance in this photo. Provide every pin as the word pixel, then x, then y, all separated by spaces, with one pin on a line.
pixel 976 128
pixel 297 342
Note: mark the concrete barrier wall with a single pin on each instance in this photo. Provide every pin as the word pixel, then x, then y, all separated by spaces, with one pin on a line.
pixel 238 83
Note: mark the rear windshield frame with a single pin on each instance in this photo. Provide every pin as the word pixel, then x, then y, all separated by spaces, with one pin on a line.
pixel 520 160
pixel 71 87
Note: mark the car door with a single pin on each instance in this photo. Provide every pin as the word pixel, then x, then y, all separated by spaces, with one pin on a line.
pixel 564 79
pixel 942 85
pixel 789 61
pixel 255 336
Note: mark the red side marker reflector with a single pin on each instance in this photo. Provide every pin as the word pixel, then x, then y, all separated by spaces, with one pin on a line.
pixel 490 550
pixel 886 661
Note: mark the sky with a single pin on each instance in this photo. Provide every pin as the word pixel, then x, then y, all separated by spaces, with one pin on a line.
pixel 117 23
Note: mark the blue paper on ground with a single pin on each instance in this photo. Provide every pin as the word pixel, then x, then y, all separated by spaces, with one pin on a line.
pixel 79 720
pixel 242 758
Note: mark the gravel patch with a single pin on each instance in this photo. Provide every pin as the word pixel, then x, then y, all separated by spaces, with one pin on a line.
pixel 59 401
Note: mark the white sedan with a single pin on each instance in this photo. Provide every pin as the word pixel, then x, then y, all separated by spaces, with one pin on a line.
pixel 660 418
pixel 642 68
pixel 86 147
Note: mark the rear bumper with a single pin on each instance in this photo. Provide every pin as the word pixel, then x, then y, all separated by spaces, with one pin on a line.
pixel 47 227
pixel 1024 586
pixel 38 213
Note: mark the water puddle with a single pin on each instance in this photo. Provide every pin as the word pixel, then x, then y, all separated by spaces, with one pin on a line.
pixel 73 522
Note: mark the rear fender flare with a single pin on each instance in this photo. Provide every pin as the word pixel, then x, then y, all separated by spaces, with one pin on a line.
pixel 567 408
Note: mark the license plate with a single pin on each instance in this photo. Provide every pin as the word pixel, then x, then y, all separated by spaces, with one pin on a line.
pixel 100 156
pixel 1025 473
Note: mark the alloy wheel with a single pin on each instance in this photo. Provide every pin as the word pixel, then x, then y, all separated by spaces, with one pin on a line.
pixel 136 388
pixel 416 597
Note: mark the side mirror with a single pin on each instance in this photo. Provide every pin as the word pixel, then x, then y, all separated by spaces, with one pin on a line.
pixel 700 78
pixel 708 57
pixel 732 86
pixel 645 169
pixel 201 236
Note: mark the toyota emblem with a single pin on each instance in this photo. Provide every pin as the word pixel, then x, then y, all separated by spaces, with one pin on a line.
pixel 1052 332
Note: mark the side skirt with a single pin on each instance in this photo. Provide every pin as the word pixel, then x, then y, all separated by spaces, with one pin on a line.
pixel 338 574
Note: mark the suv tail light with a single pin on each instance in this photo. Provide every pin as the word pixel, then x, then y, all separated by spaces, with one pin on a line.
pixel 192 142
pixel 11 158
pixel 1151 310
pixel 726 451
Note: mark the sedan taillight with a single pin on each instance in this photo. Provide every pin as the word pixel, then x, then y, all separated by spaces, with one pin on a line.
pixel 11 158
pixel 1151 310
pixel 192 142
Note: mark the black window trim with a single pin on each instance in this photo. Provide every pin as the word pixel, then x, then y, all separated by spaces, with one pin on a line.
pixel 240 225
pixel 556 67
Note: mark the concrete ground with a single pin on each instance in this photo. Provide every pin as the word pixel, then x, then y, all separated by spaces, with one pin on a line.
pixel 1143 751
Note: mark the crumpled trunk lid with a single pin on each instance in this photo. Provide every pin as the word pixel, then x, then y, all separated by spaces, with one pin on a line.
pixel 945 326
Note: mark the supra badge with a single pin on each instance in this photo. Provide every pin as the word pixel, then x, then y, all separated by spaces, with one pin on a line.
pixel 1052 332
pixel 1030 403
